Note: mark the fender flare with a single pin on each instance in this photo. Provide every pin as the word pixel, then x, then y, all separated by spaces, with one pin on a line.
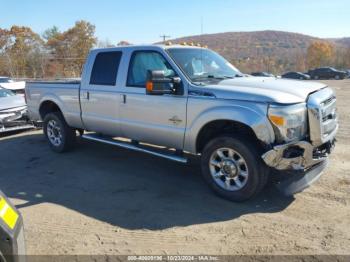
pixel 54 99
pixel 257 121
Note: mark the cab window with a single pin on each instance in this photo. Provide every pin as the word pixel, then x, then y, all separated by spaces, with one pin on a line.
pixel 141 62
pixel 105 69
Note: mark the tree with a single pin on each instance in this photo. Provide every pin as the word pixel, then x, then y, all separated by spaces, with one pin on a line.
pixel 4 41
pixel 319 53
pixel 347 58
pixel 24 53
pixel 51 33
pixel 300 62
pixel 123 43
pixel 71 47
pixel 105 44
pixel 342 58
pixel 18 46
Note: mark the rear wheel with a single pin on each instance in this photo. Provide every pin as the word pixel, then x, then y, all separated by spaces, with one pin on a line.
pixel 233 168
pixel 60 136
pixel 337 77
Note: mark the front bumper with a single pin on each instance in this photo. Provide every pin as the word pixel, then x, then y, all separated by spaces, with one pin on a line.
pixel 299 155
pixel 298 165
pixel 15 120
pixel 293 183
pixel 4 129
pixel 12 246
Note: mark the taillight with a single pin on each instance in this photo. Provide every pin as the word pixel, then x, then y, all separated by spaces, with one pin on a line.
pixel 25 96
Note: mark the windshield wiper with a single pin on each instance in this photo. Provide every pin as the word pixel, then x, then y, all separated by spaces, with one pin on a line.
pixel 229 77
pixel 220 77
pixel 208 77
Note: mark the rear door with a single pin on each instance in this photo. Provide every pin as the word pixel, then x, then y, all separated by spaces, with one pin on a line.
pixel 326 73
pixel 99 93
pixel 155 119
pixel 329 73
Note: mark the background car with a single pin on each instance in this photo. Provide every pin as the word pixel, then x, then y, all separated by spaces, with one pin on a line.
pixel 262 74
pixel 296 75
pixel 15 86
pixel 348 73
pixel 327 73
pixel 13 112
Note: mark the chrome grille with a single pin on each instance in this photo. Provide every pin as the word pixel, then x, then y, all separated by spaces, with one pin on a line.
pixel 329 116
pixel 323 120
pixel 328 101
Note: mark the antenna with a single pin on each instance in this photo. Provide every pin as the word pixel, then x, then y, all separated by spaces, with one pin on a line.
pixel 201 39
pixel 164 37
pixel 202 26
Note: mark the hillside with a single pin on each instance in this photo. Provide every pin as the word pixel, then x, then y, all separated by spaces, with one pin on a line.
pixel 284 47
pixel 342 41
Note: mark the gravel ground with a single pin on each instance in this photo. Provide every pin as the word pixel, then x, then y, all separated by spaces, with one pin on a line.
pixel 104 200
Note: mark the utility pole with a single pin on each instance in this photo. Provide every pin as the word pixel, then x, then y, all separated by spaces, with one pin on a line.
pixel 165 37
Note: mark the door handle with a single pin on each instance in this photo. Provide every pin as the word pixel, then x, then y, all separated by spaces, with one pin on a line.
pixel 124 98
pixel 87 95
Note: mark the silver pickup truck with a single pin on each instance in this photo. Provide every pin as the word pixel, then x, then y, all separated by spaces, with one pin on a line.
pixel 190 100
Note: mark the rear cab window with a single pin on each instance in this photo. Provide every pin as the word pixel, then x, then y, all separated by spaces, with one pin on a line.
pixel 105 68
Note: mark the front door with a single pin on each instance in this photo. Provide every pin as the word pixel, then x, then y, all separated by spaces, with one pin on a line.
pixel 155 119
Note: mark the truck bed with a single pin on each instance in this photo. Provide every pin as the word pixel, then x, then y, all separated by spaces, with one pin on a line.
pixel 64 93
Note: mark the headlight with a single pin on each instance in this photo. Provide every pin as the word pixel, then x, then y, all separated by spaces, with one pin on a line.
pixel 289 122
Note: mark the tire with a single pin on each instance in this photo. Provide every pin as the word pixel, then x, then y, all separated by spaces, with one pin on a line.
pixel 337 77
pixel 254 170
pixel 316 77
pixel 59 135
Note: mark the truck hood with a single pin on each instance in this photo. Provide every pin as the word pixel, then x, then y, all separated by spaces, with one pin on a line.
pixel 264 89
pixel 12 102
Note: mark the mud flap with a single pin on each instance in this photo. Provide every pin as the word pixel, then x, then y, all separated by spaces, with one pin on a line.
pixel 292 184
pixel 12 247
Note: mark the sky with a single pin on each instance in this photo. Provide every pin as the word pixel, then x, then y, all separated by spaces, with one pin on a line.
pixel 142 22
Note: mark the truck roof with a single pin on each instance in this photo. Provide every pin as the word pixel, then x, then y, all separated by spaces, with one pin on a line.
pixel 160 46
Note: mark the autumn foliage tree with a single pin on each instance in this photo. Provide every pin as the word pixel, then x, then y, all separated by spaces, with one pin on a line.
pixel 21 49
pixel 347 56
pixel 24 53
pixel 319 53
pixel 70 48
pixel 3 43
pixel 342 58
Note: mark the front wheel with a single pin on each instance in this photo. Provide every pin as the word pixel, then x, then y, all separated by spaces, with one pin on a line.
pixel 60 136
pixel 233 168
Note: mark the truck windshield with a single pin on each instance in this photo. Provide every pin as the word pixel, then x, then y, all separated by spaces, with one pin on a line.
pixel 201 65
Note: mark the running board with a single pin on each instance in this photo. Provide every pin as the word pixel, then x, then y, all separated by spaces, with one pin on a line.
pixel 127 145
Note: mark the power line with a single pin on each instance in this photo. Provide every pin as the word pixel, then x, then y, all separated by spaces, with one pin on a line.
pixel 164 37
pixel 53 58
